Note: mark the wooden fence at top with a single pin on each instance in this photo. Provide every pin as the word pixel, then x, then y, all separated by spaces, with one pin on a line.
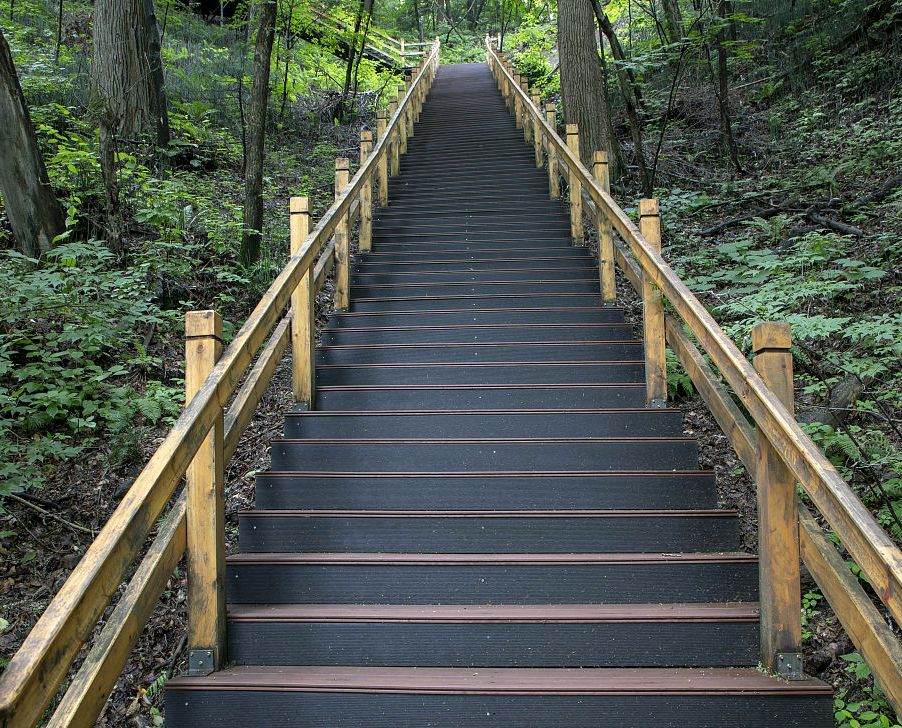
pixel 397 50
pixel 774 449
pixel 198 446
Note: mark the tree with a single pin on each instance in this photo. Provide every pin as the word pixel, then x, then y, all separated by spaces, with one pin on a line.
pixel 582 81
pixel 127 88
pixel 34 213
pixel 673 21
pixel 255 148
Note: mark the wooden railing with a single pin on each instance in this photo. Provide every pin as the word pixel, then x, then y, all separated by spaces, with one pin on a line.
pixel 773 447
pixel 397 49
pixel 198 446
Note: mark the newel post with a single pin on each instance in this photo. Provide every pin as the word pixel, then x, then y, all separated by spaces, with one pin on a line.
pixel 601 170
pixel 394 141
pixel 576 189
pixel 205 508
pixel 778 516
pixel 302 308
pixel 342 240
pixel 382 164
pixel 537 131
pixel 653 312
pixel 366 194
pixel 554 183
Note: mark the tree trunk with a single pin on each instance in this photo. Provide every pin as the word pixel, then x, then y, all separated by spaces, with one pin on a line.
pixel 631 96
pixel 256 136
pixel 582 83
pixel 127 89
pixel 723 92
pixel 673 21
pixel 34 213
pixel 419 19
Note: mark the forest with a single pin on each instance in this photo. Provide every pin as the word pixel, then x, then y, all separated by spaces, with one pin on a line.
pixel 148 149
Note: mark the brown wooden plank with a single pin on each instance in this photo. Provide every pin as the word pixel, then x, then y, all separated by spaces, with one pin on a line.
pixel 494 614
pixel 513 681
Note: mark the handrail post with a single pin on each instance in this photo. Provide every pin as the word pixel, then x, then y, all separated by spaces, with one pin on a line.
pixel 607 278
pixel 554 181
pixel 518 116
pixel 402 122
pixel 302 308
pixel 525 109
pixel 653 311
pixel 395 141
pixel 537 131
pixel 366 194
pixel 342 241
pixel 382 165
pixel 576 190
pixel 205 508
pixel 780 594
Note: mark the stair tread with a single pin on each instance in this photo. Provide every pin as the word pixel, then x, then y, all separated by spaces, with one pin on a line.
pixel 372 557
pixel 577 513
pixel 503 613
pixel 514 681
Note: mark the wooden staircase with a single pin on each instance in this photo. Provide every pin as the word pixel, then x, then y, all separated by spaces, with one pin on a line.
pixel 481 523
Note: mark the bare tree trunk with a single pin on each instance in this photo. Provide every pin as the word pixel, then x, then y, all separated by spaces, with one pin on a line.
pixel 582 83
pixel 631 96
pixel 723 88
pixel 127 88
pixel 256 136
pixel 419 19
pixel 34 213
pixel 673 21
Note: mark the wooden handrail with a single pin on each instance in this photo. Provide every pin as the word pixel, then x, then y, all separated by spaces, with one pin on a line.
pixel 377 39
pixel 42 662
pixel 868 544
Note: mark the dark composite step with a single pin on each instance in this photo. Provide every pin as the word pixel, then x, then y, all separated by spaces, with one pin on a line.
pixel 498 491
pixel 436 531
pixel 467 396
pixel 478 333
pixel 484 288
pixel 461 275
pixel 500 255
pixel 417 578
pixel 573 635
pixel 380 697
pixel 480 374
pixel 484 424
pixel 486 455
pixel 460 351
pixel 423 267
pixel 389 304
pixel 476 317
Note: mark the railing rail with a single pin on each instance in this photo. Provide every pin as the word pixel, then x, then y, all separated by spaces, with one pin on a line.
pixel 43 661
pixel 867 543
pixel 398 49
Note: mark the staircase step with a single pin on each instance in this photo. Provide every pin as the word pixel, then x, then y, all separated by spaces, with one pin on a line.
pixel 416 578
pixel 484 424
pixel 436 531
pixel 463 397
pixel 480 374
pixel 477 317
pixel 459 352
pixel 388 304
pixel 478 333
pixel 485 288
pixel 571 635
pixel 485 455
pixel 380 697
pixel 501 491
pixel 423 278
pixel 572 265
